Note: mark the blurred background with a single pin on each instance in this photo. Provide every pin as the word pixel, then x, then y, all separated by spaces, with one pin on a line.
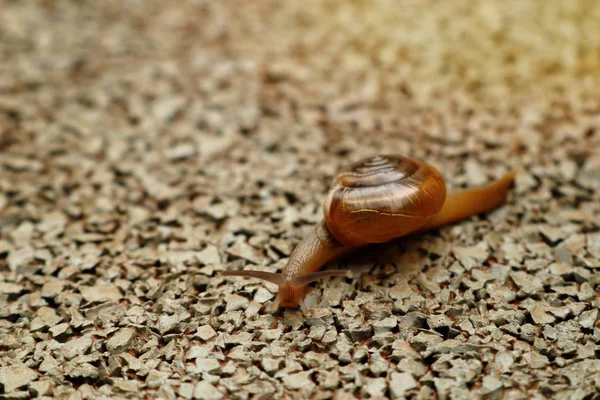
pixel 177 93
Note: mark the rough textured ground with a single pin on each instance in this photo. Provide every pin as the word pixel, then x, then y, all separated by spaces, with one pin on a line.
pixel 147 145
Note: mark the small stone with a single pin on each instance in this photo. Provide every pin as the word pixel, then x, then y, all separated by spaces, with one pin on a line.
pixel 20 257
pixel 41 388
pixel 580 372
pixel 271 365
pixel 15 377
pixel 536 360
pixel 400 383
pixel 428 285
pixel 455 346
pixel 121 340
pixel 529 332
pixel 526 282
pixel 83 370
pixel 210 365
pixel 209 256
pixel 375 387
pixel 586 292
pixel 245 251
pixel 206 332
pixel 180 152
pixel 47 317
pixel 586 351
pixel 330 336
pixel 132 362
pixel 401 291
pixel 268 335
pixel 10 288
pixel 587 319
pixel 416 368
pixel 300 380
pixel 560 312
pixel 490 384
pixel 186 390
pixel 570 290
pixel 425 340
pixel 18 395
pixel 76 347
pixel 236 302
pixel 317 332
pixel 437 321
pixel 540 316
pixel 127 386
pixel 53 288
pixel 101 293
pixel 505 360
pixel 379 365
pixel 206 391
pixel 167 107
pixel 470 257
pixel 155 378
pixel 59 329
pixel 262 295
pixel 198 352
pixel 385 325
pixel 48 364
pixel 358 332
pixel 552 234
pixel 560 268
pixel 332 296
pixel 475 172
pixel 169 323
pixel 467 326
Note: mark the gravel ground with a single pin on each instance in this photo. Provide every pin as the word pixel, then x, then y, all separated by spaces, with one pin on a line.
pixel 147 145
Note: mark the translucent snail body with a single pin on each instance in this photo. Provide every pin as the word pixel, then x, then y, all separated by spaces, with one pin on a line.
pixel 374 201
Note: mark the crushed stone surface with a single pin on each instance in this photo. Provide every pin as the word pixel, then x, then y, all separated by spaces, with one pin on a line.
pixel 147 146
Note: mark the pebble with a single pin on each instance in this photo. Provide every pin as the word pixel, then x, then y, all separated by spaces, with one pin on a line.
pixel 10 288
pixel 16 376
pixel 209 256
pixel 41 388
pixel 540 316
pixel 586 292
pixel 206 332
pixel 400 383
pixel 206 391
pixel 76 347
pixel 121 340
pixel 587 319
pixel 300 380
pixel 526 282
pixel 236 302
pixel 375 387
pixel 83 371
pixel 186 390
pixel 101 293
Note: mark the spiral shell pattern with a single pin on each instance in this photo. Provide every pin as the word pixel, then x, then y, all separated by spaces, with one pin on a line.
pixel 381 198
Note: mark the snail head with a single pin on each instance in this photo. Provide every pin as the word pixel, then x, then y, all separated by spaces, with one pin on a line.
pixel 291 289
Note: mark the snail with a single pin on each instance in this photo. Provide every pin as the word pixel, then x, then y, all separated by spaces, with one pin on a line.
pixel 372 201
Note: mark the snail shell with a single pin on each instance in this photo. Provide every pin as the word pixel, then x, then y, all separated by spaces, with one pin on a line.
pixel 382 198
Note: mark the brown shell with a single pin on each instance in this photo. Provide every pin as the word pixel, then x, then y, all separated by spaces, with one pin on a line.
pixel 382 198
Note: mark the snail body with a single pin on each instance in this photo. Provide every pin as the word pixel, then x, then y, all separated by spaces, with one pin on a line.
pixel 376 200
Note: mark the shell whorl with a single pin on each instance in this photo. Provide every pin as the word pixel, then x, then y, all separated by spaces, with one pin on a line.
pixel 381 198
